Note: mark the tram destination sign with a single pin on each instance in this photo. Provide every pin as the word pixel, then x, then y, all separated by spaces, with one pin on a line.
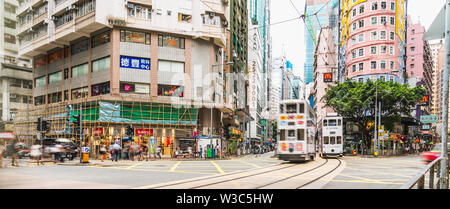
pixel 429 118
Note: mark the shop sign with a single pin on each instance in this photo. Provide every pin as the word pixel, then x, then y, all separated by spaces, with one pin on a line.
pixel 425 100
pixel 327 77
pixel 117 22
pixel 428 118
pixel 143 132
pixel 142 88
pixel 6 135
pixel 98 131
pixel 135 63
pixel 426 127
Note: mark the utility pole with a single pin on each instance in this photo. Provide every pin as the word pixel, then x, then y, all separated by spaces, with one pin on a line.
pixel 444 162
pixel 375 121
pixel 81 134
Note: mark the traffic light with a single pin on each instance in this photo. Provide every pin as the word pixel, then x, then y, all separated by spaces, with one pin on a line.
pixel 77 123
pixel 130 130
pixel 226 132
pixel 45 125
pixel 39 124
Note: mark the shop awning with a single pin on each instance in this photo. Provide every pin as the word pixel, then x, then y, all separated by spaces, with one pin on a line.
pixel 244 115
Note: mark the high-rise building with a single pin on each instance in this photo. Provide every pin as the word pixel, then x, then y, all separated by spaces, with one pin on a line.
pixel 15 71
pixel 160 65
pixel 372 48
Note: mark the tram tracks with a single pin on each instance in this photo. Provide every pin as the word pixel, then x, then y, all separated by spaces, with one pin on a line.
pixel 268 176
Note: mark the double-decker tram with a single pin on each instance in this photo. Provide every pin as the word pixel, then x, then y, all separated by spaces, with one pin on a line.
pixel 296 128
pixel 330 136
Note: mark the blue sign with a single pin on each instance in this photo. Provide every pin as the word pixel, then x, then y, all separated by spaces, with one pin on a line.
pixel 85 149
pixel 135 63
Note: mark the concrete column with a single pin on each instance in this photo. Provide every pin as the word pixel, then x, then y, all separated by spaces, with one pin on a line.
pixel 154 65
pixel 187 69
pixel 115 62
pixel 5 99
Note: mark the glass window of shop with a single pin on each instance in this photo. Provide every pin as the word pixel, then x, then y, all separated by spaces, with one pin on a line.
pixel 55 97
pixel 101 64
pixel 100 89
pixel 170 66
pixel 171 41
pixel 134 37
pixel 40 100
pixel 80 70
pixel 40 81
pixel 101 38
pixel 170 90
pixel 55 77
pixel 80 93
pixel 80 46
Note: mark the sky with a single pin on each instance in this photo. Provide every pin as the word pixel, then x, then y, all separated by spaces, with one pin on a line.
pixel 289 36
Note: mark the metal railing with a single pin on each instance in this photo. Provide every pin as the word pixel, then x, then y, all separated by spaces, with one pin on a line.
pixel 433 181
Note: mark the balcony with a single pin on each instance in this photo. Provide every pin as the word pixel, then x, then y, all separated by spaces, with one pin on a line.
pixel 216 6
pixel 142 2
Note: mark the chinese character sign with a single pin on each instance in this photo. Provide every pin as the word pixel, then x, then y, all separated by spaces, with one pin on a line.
pixel 135 63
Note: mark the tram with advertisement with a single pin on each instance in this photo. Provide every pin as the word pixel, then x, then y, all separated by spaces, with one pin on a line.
pixel 330 131
pixel 296 129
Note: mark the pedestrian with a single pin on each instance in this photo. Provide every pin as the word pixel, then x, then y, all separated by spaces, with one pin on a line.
pixel 12 151
pixel 213 153
pixel 146 153
pixel 158 152
pixel 141 150
pixel 2 150
pixel 200 154
pixel 36 152
pixel 102 152
pixel 131 152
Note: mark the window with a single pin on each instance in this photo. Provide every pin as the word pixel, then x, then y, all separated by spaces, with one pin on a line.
pixel 40 81
pixel 282 108
pixel 10 39
pixel 373 50
pixel 291 108
pixel 339 140
pixel 134 37
pixel 374 20
pixel 392 20
pixel 361 37
pixel 353 68
pixel 332 140
pixel 100 89
pixel 184 18
pixel 373 36
pixel 383 5
pixel 361 23
pixel 302 108
pixel 353 39
pixel 10 23
pixel 361 9
pixel 391 65
pixel 80 70
pixel 101 64
pixel 393 6
pixel 383 64
pixel 80 46
pixel 40 100
pixel 300 134
pixel 392 36
pixel 27 84
pixel 412 65
pixel 361 52
pixel 80 93
pixel 373 65
pixel 413 31
pixel 354 54
pixel 63 19
pixel 326 140
pixel 413 48
pixel 139 11
pixel 55 97
pixel 412 40
pixel 66 73
pixel 66 95
pixel 291 133
pixel 55 77
pixel 391 50
pixel 55 56
pixel 170 66
pixel 374 6
pixel 332 122
pixel 354 26
pixel 101 38
pixel 383 20
pixel 170 41
pixel 354 12
pixel 382 35
pixel 325 123
pixel 15 83
pixel 383 49
pixel 170 90
pixel 361 66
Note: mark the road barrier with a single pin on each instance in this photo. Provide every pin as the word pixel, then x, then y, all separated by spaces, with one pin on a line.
pixel 419 180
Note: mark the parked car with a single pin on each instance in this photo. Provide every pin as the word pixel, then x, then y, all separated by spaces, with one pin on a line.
pixel 434 153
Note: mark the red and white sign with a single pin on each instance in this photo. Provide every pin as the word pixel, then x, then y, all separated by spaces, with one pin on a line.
pixel 7 135
pixel 143 132
pixel 98 131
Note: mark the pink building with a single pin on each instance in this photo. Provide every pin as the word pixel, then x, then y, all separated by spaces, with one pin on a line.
pixel 372 50
pixel 324 63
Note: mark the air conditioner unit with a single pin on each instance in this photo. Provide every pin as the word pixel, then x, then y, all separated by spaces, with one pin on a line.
pixel 13 60
pixel 138 7
pixel 45 21
pixel 30 9
pixel 131 6
pixel 67 9
pixel 30 30
pixel 169 12
pixel 54 18
pixel 74 6
pixel 212 14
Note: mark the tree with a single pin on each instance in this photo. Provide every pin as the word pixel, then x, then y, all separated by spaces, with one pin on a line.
pixel 355 101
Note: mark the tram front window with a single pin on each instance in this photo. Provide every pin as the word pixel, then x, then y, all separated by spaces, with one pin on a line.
pixel 333 122
pixel 325 122
pixel 300 134
pixel 326 140
pixel 339 140
pixel 333 140
pixel 291 108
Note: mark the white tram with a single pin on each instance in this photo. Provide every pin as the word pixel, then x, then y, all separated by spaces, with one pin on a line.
pixel 296 128
pixel 330 136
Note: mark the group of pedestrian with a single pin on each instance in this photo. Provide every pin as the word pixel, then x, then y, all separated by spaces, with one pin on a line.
pixel 11 150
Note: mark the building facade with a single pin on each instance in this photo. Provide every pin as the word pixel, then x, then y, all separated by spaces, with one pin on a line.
pixel 163 59
pixel 15 72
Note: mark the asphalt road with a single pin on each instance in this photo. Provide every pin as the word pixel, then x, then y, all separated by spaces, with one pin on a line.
pixel 356 172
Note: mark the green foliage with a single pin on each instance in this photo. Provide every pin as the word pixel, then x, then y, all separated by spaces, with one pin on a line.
pixel 355 101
